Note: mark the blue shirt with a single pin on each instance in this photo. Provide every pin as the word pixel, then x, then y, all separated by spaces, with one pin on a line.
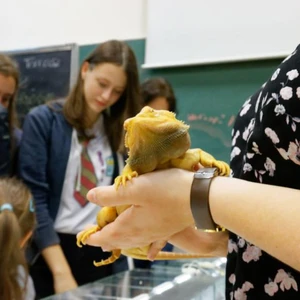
pixel 7 154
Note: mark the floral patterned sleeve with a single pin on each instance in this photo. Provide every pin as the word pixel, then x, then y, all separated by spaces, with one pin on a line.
pixel 281 102
pixel 273 134
pixel 266 149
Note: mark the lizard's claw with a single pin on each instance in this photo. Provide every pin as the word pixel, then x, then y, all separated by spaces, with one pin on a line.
pixel 114 256
pixel 122 179
pixel 223 168
pixel 84 235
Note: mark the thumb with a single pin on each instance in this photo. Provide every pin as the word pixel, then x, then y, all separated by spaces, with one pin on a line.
pixel 155 248
pixel 110 196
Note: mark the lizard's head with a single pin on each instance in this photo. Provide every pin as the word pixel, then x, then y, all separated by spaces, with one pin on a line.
pixel 150 128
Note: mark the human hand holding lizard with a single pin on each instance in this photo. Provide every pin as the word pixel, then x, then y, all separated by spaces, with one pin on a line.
pixel 155 140
pixel 160 208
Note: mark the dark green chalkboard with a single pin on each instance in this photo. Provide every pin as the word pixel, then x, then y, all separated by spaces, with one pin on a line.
pixel 45 74
pixel 209 97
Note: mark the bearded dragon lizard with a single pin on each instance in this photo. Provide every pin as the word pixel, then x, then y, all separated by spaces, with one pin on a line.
pixel 155 139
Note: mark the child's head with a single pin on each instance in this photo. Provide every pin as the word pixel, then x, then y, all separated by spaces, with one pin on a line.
pixel 9 83
pixel 108 83
pixel 17 221
pixel 158 93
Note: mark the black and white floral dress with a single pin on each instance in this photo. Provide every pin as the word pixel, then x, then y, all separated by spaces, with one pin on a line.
pixel 266 149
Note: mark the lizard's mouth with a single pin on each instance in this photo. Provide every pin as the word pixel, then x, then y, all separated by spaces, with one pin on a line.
pixel 127 123
pixel 126 140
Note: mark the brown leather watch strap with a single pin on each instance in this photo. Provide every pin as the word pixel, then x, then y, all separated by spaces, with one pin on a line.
pixel 200 200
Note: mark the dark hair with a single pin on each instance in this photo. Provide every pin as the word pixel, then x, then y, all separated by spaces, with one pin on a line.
pixel 15 224
pixel 119 53
pixel 9 68
pixel 158 87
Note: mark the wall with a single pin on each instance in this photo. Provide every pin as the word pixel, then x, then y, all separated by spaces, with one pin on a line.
pixel 208 96
pixel 36 23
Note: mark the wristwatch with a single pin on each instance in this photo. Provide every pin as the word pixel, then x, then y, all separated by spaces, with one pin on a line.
pixel 200 200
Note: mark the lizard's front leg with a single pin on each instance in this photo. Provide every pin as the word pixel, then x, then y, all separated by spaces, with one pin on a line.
pixel 192 157
pixel 105 215
pixel 127 174
pixel 208 161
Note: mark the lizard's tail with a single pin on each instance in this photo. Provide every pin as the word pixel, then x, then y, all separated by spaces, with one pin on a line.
pixel 163 255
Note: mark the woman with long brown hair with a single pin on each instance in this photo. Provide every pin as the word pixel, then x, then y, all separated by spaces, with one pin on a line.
pixel 68 147
pixel 10 135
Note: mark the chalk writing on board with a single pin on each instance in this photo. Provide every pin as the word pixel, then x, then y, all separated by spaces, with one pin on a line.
pixel 26 101
pixel 45 74
pixel 34 62
pixel 215 120
pixel 218 127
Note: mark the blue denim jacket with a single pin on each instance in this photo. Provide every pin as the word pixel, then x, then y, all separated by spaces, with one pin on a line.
pixel 42 163
pixel 7 155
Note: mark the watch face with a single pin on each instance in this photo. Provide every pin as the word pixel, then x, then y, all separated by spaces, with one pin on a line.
pixel 206 173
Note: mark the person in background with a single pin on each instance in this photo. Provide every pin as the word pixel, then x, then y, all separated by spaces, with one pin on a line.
pixel 259 206
pixel 265 149
pixel 68 147
pixel 158 93
pixel 10 135
pixel 17 222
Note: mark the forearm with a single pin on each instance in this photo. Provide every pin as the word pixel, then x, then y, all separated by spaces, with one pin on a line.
pixel 195 241
pixel 56 260
pixel 264 215
pixel 63 279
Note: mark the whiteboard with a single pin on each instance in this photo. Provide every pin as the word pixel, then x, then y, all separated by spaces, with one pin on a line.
pixel 209 31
